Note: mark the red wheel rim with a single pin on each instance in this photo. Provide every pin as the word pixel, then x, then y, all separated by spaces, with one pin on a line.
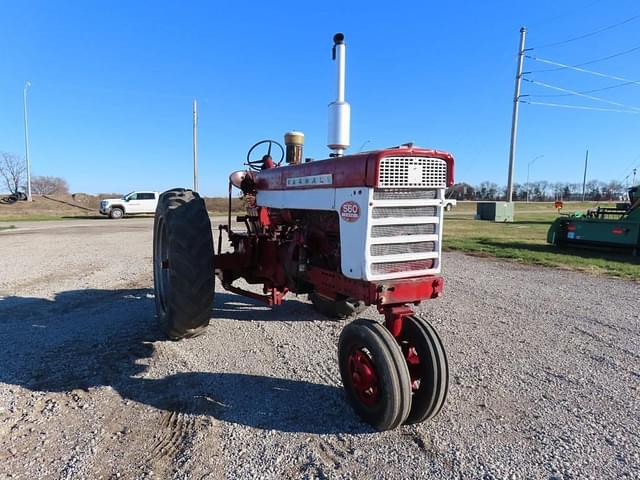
pixel 363 377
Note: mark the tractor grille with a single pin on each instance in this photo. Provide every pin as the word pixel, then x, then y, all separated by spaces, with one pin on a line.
pixel 414 172
pixel 400 267
pixel 399 248
pixel 404 194
pixel 404 232
pixel 388 212
pixel 378 231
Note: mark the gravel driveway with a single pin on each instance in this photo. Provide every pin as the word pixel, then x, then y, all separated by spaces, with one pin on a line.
pixel 545 374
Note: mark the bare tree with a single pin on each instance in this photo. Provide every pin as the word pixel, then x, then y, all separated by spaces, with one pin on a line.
pixel 13 169
pixel 46 185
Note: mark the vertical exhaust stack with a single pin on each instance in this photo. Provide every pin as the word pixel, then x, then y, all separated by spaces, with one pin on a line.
pixel 339 110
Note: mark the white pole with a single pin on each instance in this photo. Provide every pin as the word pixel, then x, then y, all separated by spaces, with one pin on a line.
pixel 26 141
pixel 514 117
pixel 584 178
pixel 528 185
pixel 195 145
pixel 528 168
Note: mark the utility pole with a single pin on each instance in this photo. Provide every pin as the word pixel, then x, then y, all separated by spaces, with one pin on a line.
pixel 195 145
pixel 514 117
pixel 584 178
pixel 633 184
pixel 528 168
pixel 26 141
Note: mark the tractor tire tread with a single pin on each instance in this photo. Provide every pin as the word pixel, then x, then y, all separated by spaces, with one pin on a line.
pixel 190 244
pixel 396 392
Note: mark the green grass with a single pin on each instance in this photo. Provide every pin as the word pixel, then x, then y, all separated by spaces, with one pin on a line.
pixel 7 227
pixel 524 241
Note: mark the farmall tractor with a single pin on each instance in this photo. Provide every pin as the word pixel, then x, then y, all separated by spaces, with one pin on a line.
pixel 350 231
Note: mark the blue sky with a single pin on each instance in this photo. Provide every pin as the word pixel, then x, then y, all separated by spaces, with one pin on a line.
pixel 112 84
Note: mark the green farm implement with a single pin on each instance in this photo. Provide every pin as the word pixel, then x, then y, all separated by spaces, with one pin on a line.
pixel 605 227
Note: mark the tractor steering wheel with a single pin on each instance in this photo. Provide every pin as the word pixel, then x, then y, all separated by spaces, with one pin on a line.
pixel 258 165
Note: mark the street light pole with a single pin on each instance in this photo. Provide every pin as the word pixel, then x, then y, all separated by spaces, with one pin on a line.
pixel 195 145
pixel 584 178
pixel 26 141
pixel 528 167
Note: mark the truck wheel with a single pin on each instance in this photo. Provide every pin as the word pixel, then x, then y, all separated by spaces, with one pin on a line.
pixel 339 309
pixel 183 273
pixel 116 213
pixel 428 368
pixel 374 374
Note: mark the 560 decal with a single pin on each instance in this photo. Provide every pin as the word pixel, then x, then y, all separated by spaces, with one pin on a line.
pixel 350 211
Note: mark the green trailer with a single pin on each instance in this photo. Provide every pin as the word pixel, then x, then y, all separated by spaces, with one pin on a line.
pixel 617 227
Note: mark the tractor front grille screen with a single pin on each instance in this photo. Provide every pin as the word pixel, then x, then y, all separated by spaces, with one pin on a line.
pixel 400 248
pixel 413 172
pixel 378 231
pixel 388 212
pixel 404 194
pixel 404 231
pixel 399 267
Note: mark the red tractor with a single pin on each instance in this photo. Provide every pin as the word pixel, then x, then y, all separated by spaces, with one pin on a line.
pixel 350 231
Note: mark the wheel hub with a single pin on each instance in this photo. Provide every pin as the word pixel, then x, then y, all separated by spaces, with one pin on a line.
pixel 363 377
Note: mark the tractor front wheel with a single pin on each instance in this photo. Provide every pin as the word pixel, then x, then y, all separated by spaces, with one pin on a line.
pixel 428 368
pixel 374 374
pixel 183 272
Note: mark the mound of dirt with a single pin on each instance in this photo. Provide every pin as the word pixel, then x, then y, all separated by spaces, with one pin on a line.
pixel 58 205
pixel 84 204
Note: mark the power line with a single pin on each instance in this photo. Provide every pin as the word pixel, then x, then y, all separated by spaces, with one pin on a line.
pixel 583 70
pixel 578 94
pixel 586 91
pixel 590 34
pixel 578 107
pixel 630 166
pixel 565 14
pixel 590 62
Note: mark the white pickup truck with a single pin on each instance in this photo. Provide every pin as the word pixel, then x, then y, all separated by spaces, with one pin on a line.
pixel 449 203
pixel 131 204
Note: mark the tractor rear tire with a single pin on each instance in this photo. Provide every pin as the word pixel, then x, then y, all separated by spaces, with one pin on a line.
pixel 183 273
pixel 374 374
pixel 338 309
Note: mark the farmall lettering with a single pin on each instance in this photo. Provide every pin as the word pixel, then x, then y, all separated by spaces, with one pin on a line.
pixel 350 211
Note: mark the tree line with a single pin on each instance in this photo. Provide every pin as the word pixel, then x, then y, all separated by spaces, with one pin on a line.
pixel 13 175
pixel 540 191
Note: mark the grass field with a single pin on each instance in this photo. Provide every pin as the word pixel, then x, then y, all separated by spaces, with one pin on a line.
pixel 524 240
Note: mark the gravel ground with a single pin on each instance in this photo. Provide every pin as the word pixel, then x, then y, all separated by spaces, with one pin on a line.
pixel 545 379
